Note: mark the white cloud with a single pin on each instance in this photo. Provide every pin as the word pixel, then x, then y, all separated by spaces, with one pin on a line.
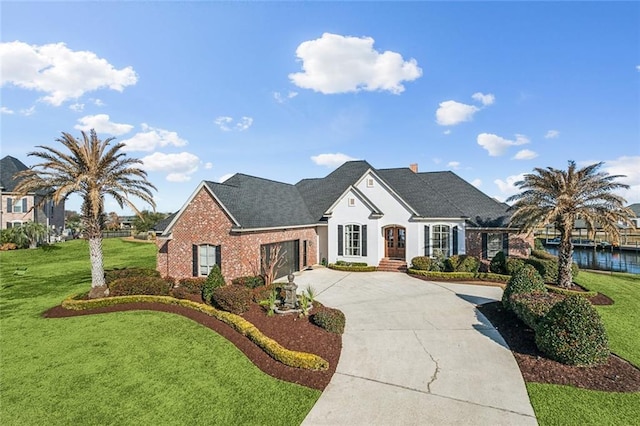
pixel 28 111
pixel 341 64
pixel 59 72
pixel 77 107
pixel 477 183
pixel 497 145
pixel 487 99
pixel 151 138
pixel 223 178
pixel 627 166
pixel 552 134
pixel 101 124
pixel 507 187
pixel 638 67
pixel 451 113
pixel 455 165
pixel 280 98
pixel 5 110
pixel 331 160
pixel 225 123
pixel 208 166
pixel 525 154
pixel 98 102
pixel 178 167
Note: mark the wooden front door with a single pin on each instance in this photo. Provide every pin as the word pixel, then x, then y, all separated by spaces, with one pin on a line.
pixel 396 240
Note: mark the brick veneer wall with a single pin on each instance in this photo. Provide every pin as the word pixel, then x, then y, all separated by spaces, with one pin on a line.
pixel 519 244
pixel 205 222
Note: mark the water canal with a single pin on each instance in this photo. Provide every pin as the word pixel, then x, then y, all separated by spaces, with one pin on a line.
pixel 609 259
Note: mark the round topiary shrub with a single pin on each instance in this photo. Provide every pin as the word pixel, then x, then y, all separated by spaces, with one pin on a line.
pixel 462 263
pixel 213 281
pixel 152 286
pixel 421 263
pixel 232 298
pixel 192 285
pixel 573 333
pixel 514 264
pixel 498 264
pixel 331 319
pixel 525 280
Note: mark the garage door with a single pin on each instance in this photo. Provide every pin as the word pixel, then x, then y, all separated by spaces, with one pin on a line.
pixel 290 253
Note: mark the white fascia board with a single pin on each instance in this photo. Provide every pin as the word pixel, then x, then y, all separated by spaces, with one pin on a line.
pixel 437 219
pixel 190 199
pixel 275 228
pixel 368 203
pixel 389 189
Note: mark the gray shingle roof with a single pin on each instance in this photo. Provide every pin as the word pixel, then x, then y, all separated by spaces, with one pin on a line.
pixel 162 225
pixel 261 203
pixel 635 208
pixel 9 166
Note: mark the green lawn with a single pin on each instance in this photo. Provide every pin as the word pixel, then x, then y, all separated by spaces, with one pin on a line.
pixel 121 368
pixel 563 405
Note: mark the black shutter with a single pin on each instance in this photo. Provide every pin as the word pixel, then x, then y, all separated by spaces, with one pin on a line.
pixel 340 241
pixel 426 240
pixel 455 240
pixel 505 243
pixel 9 225
pixel 296 255
pixel 9 205
pixel 194 251
pixel 364 240
pixel 484 245
pixel 24 205
pixel 219 256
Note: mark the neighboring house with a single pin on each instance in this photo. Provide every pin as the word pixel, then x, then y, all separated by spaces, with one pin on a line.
pixel 16 210
pixel 357 214
pixel 635 208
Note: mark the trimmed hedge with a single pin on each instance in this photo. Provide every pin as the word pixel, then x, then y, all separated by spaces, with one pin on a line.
pixel 547 265
pixel 271 347
pixel 532 307
pixel 421 263
pixel 139 285
pixel 462 263
pixel 114 274
pixel 498 264
pixel 192 285
pixel 332 320
pixel 251 281
pixel 514 264
pixel 573 333
pixel 525 280
pixel 352 268
pixel 460 276
pixel 345 263
pixel 565 292
pixel 232 298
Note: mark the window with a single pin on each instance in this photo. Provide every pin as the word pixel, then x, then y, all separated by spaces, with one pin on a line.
pixel 370 182
pixel 441 240
pixel 494 245
pixel 18 205
pixel 352 240
pixel 14 224
pixel 352 202
pixel 207 255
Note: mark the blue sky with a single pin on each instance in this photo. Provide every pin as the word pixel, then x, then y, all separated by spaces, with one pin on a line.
pixel 286 91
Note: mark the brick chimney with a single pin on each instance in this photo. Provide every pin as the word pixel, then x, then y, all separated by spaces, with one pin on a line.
pixel 414 167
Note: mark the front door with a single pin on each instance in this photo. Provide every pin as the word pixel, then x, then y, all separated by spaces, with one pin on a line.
pixel 396 239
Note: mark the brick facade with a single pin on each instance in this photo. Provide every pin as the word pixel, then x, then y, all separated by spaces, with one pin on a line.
pixel 204 221
pixel 520 245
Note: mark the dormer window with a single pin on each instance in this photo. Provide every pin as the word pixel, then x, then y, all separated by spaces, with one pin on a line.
pixel 369 182
pixel 352 202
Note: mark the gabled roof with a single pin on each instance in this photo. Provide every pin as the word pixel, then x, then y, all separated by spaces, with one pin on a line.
pixel 320 194
pixel 162 225
pixel 635 208
pixel 9 166
pixel 261 203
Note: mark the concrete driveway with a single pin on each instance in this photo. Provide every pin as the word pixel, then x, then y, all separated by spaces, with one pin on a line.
pixel 416 353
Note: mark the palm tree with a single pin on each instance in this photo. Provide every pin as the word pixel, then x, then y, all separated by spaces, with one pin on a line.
pixel 35 232
pixel 92 169
pixel 559 197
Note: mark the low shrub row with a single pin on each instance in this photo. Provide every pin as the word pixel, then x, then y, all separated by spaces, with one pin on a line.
pixel 192 285
pixel 352 268
pixel 149 285
pixel 119 273
pixel 332 320
pixel 460 276
pixel 345 263
pixel 232 298
pixel 252 281
pixel 274 349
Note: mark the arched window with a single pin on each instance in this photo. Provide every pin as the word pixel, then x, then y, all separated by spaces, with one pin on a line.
pixel 442 240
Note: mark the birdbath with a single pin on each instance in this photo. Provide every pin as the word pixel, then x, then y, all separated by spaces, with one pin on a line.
pixel 290 298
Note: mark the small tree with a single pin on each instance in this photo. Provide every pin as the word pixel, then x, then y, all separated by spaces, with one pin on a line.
pixel 271 260
pixel 113 221
pixel 35 232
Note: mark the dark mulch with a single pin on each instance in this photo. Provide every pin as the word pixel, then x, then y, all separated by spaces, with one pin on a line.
pixel 617 375
pixel 293 333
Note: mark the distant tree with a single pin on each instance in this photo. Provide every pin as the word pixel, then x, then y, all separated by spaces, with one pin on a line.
pixel 559 197
pixel 113 221
pixel 147 220
pixel 93 169
pixel 35 232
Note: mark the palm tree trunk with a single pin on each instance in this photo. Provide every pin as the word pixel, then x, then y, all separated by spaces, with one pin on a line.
pixel 565 258
pixel 98 285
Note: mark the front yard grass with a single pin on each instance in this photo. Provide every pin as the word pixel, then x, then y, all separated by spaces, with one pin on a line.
pixel 562 405
pixel 121 368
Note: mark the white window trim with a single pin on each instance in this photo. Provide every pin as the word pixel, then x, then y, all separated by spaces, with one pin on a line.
pixel 351 202
pixel 200 265
pixel 16 207
pixel 434 249
pixel 370 182
pixel 347 241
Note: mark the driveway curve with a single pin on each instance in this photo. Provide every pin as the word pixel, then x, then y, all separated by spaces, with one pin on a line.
pixel 416 353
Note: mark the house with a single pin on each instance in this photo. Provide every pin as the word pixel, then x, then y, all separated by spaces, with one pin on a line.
pixel 15 210
pixel 357 213
pixel 635 208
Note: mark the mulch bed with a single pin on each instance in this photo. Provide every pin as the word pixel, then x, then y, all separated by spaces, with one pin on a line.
pixel 617 375
pixel 293 333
